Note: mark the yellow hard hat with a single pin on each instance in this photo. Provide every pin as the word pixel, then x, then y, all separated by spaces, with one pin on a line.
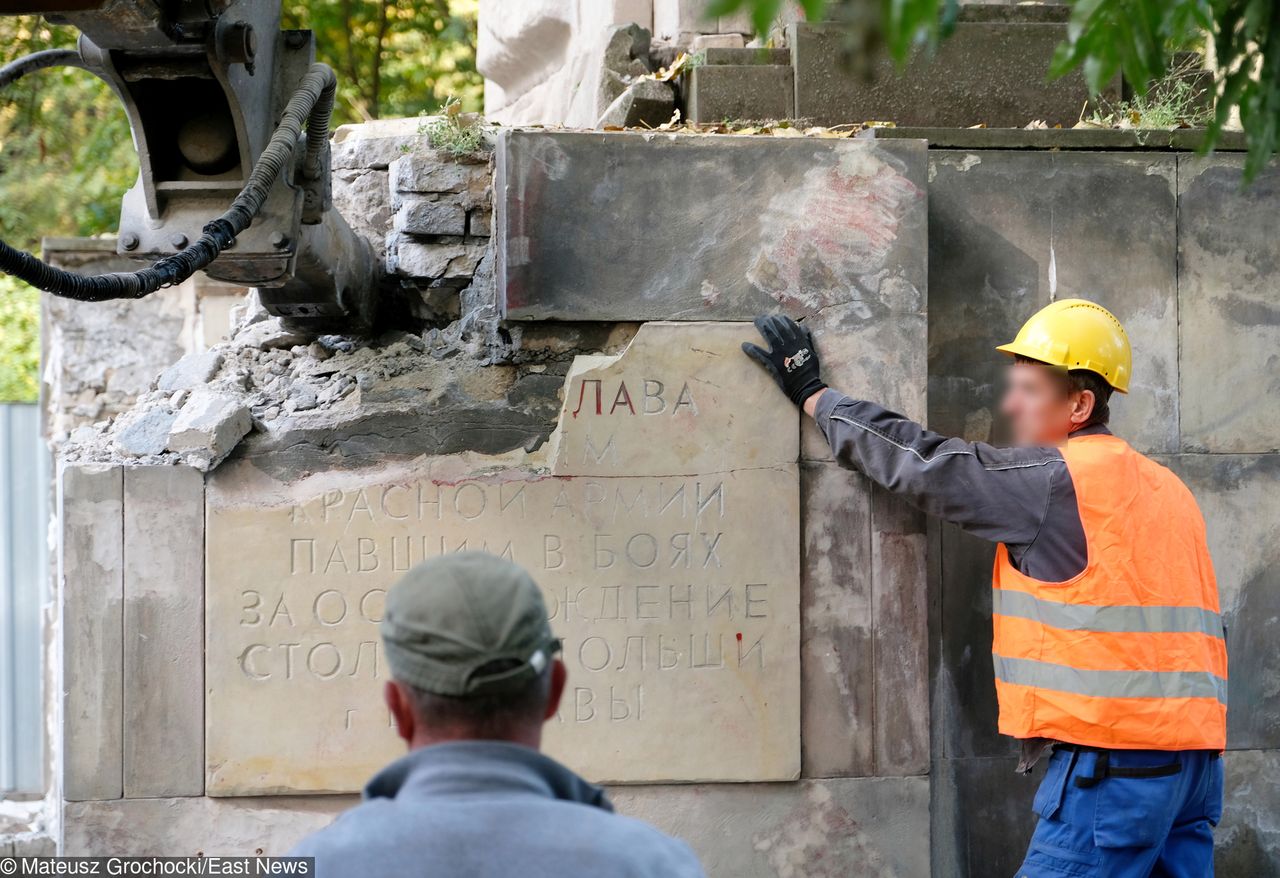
pixel 1076 334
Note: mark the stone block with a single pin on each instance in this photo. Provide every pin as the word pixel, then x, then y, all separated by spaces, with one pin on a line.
pixel 163 631
pixel 90 624
pixel 195 826
pixel 364 198
pixel 193 370
pixel 837 654
pixel 738 56
pixel 431 171
pixel 992 72
pixel 426 217
pixel 1229 298
pixel 847 827
pixel 727 92
pixel 677 601
pixel 1247 841
pixel 448 262
pixel 703 42
pixel 375 145
pixel 145 434
pixel 645 103
pixel 208 427
pixel 765 224
pixel 480 223
pixel 899 615
pixel 1010 232
pixel 1239 495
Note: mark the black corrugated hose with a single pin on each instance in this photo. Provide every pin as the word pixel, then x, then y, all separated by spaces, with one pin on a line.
pixel 312 103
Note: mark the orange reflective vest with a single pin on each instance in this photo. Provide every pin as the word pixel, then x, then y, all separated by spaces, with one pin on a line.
pixel 1129 653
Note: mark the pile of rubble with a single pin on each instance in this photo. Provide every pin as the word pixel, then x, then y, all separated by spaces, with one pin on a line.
pixel 263 379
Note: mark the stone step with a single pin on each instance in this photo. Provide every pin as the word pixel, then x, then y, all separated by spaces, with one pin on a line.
pixel 719 55
pixel 990 71
pixel 727 92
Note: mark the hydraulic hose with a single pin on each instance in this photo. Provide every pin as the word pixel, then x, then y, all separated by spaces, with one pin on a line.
pixel 311 104
pixel 19 68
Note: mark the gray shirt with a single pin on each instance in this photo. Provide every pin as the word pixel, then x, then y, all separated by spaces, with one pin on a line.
pixel 1022 497
pixel 485 809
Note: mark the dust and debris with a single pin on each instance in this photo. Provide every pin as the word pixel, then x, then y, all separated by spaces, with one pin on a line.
pixel 472 384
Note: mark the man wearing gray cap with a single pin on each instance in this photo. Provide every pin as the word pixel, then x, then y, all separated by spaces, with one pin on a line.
pixel 474 677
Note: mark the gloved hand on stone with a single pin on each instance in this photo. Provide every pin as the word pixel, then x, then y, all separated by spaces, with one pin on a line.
pixel 791 358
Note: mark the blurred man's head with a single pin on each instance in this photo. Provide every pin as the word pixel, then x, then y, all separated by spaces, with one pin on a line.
pixel 471 653
pixel 1068 358
pixel 1044 404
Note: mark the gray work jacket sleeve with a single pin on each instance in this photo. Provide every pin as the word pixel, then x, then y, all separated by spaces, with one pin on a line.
pixel 1001 494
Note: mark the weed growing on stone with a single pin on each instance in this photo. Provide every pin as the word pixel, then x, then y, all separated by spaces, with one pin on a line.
pixel 453 132
pixel 1176 101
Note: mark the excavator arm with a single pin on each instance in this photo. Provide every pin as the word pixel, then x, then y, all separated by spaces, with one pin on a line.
pixel 217 96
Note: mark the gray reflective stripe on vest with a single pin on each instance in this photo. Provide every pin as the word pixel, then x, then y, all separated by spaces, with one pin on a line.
pixel 1081 617
pixel 1110 684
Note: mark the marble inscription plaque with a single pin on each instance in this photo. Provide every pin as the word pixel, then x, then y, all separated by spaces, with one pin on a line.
pixel 668 554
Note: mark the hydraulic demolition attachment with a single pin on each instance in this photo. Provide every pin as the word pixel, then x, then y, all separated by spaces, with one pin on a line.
pixel 218 97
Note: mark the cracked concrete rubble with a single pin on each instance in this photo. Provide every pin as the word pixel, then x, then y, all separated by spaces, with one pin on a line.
pixel 443 376
pixel 470 385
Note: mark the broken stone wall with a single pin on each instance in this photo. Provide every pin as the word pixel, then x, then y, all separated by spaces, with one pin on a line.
pixel 455 397
pixel 1185 259
pixel 479 408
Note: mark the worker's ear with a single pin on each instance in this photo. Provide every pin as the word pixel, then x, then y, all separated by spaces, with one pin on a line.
pixel 559 674
pixel 401 709
pixel 1082 405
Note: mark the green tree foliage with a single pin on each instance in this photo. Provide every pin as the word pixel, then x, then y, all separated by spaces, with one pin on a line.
pixel 19 340
pixel 66 154
pixel 66 158
pixel 1105 37
pixel 394 57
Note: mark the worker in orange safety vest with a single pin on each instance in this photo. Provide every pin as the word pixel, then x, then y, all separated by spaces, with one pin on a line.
pixel 1109 650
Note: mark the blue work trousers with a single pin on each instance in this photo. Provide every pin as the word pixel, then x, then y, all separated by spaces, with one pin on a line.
pixel 1126 814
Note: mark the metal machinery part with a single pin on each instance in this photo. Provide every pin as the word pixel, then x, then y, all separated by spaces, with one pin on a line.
pixel 204 84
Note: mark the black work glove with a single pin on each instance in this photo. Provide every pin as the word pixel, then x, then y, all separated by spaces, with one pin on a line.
pixel 791 358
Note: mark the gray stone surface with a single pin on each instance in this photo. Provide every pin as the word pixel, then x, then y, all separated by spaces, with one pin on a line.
pixel 1012 231
pixel 964 683
pixel 873 349
pixel 838 828
pixel 90 621
pixel 430 170
pixel 864 652
pixel 193 370
pixel 1229 295
pixel 363 197
pixel 208 427
pixel 421 216
pixel 1247 841
pixel 724 92
pixel 837 655
pixel 645 103
pixel 586 231
pixel 900 632
pixel 985 72
pixel 735 56
pixel 195 826
pixel 1239 495
pixel 446 262
pixel 982 818
pixel 163 631
pixel 145 434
